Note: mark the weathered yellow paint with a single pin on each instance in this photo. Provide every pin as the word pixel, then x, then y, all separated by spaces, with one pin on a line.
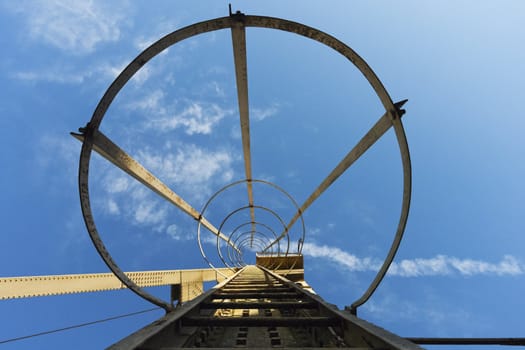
pixel 34 286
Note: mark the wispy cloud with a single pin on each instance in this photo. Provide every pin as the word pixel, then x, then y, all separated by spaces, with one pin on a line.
pixel 117 184
pixel 58 152
pixel 440 265
pixel 150 212
pixel 64 74
pixel 76 27
pixel 342 258
pixel 259 114
pixel 190 166
pixel 50 76
pixel 159 30
pixel 194 117
pixel 112 207
pixel 190 170
pixel 152 102
pixel 123 196
pixel 445 265
pixel 197 118
pixel 176 233
pixel 431 313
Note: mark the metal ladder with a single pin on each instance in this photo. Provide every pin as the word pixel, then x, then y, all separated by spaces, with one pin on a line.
pixel 256 308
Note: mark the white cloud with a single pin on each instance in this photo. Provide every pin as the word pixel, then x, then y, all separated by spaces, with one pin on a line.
pixel 113 207
pixel 149 213
pixel 259 114
pixel 346 260
pixel 125 197
pixel 438 265
pixel 235 133
pixel 441 265
pixel 175 232
pixel 65 74
pixel 152 102
pixel 508 266
pixel 76 27
pixel 197 118
pixel 445 265
pixel 190 171
pixel 62 77
pixel 116 184
pixel 190 166
pixel 208 238
pixel 217 89
pixel 58 151
pixel 111 71
pixel 161 29
pixel 142 42
pixel 313 231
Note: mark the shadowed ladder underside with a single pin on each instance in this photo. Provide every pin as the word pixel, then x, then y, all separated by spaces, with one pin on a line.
pixel 256 308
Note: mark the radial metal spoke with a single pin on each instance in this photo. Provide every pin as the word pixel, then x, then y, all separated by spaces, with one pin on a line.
pixel 383 124
pixel 109 150
pixel 241 75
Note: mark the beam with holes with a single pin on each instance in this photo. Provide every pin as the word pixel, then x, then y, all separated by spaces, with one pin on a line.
pixel 35 286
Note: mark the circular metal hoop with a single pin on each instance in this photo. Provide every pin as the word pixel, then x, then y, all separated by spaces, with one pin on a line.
pixel 218 24
pixel 232 253
pixel 278 239
pixel 272 212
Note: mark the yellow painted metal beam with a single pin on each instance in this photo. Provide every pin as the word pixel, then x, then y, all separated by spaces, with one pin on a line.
pixel 34 286
pixel 109 150
pixel 379 129
pixel 241 77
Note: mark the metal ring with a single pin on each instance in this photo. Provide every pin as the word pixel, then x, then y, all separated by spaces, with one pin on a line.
pixel 233 251
pixel 231 185
pixel 209 26
pixel 244 208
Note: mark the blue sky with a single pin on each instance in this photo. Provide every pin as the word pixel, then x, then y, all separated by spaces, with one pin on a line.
pixel 460 269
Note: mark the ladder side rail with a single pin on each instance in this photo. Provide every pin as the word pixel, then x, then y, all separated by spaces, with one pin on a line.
pixel 356 331
pixel 143 335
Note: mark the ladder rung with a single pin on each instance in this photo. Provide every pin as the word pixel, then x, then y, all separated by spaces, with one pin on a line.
pixel 258 305
pixel 255 290
pixel 260 321
pixel 276 295
pixel 257 284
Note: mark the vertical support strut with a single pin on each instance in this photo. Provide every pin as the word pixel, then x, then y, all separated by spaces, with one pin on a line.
pixel 113 153
pixel 241 75
pixel 382 125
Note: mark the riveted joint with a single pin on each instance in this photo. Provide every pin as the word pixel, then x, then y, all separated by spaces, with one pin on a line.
pixel 237 16
pixel 86 130
pixel 351 309
pixel 398 112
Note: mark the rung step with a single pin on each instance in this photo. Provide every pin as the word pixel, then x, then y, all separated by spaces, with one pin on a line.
pixel 258 305
pixel 270 285
pixel 259 321
pixel 277 295
pixel 281 348
pixel 255 290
